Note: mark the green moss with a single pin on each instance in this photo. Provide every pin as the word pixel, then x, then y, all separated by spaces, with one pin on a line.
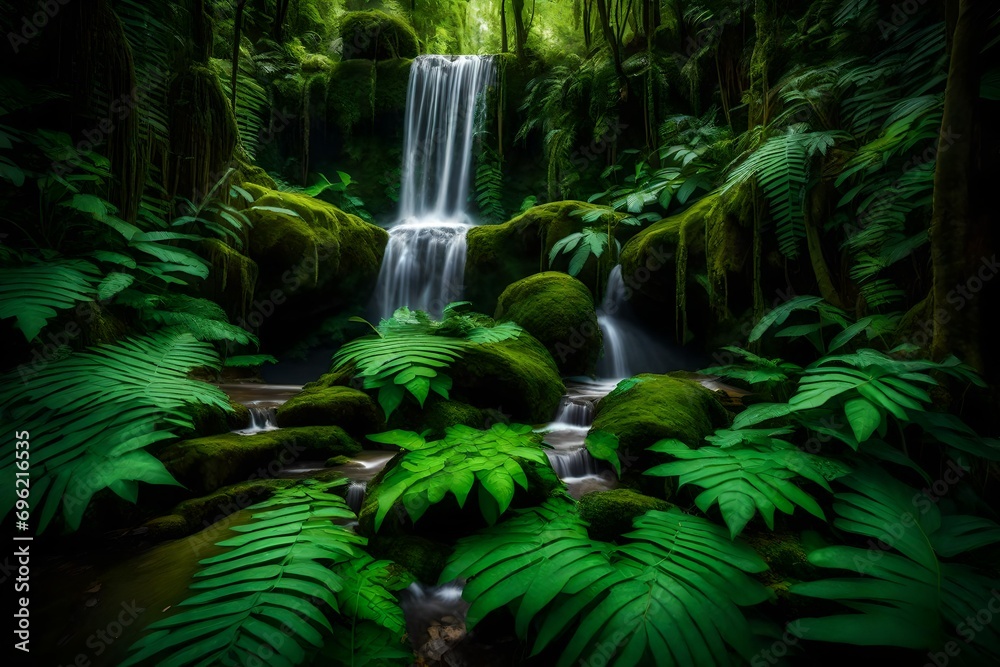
pixel 502 254
pixel 351 409
pixel 610 513
pixel 558 310
pixel 518 377
pixel 421 557
pixel 323 252
pixel 657 407
pixel 338 378
pixel 213 420
pixel 191 516
pixel 376 35
pixel 232 278
pixel 339 460
pixel 439 415
pixel 360 91
pixel 314 62
pixel 206 464
pixel 673 258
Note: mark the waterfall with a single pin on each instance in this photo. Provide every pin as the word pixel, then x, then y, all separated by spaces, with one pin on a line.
pixel 356 496
pixel 627 348
pixel 263 417
pixel 424 262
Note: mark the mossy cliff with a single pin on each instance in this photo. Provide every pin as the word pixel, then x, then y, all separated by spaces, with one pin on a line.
pixel 320 259
pixel 376 35
pixel 558 310
pixel 671 262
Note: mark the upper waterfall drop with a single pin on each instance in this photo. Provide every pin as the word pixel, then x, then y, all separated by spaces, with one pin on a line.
pixel 424 263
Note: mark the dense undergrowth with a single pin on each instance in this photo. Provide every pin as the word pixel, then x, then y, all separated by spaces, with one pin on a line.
pixel 819 148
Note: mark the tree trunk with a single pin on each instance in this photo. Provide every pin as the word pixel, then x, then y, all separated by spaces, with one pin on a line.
pixel 520 33
pixel 237 35
pixel 503 26
pixel 280 14
pixel 609 36
pixel 954 234
pixel 815 213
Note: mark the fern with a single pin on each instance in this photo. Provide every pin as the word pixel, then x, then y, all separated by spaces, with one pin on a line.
pixel 908 595
pixel 669 595
pixel 33 294
pixel 431 470
pixel 489 187
pixel 272 588
pixel 782 167
pixel 409 352
pixel 92 414
pixel 754 476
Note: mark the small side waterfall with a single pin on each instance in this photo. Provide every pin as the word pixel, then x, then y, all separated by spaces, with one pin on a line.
pixel 424 263
pixel 263 417
pixel 627 349
pixel 566 436
pixel 356 496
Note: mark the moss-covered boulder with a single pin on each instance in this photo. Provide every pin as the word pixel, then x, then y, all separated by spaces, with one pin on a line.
pixel 499 255
pixel 610 513
pixel 376 35
pixel 665 264
pixel 351 409
pixel 558 310
pixel 195 514
pixel 310 263
pixel 648 408
pixel 213 420
pixel 205 464
pixel 517 377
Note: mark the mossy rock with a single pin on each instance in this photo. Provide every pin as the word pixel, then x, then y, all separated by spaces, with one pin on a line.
pixel 376 35
pixel 558 310
pixel 423 558
pixel 517 377
pixel 499 255
pixel 213 420
pixel 438 414
pixel 610 513
pixel 319 256
pixel 678 250
pixel 206 464
pixel 648 408
pixel 351 409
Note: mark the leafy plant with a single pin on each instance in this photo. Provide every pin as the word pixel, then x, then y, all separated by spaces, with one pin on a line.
pixel 273 588
pixel 431 470
pixel 92 414
pixel 603 446
pixel 909 595
pixel 489 187
pixel 753 472
pixel 781 166
pixel 669 595
pixel 32 294
pixel 409 352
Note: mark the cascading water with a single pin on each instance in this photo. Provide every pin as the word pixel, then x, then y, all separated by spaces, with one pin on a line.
pixel 627 349
pixel 424 263
pixel 356 496
pixel 263 417
pixel 568 455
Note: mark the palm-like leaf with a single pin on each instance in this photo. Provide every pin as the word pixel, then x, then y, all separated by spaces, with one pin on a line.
pixel 668 596
pixel 908 596
pixel 454 464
